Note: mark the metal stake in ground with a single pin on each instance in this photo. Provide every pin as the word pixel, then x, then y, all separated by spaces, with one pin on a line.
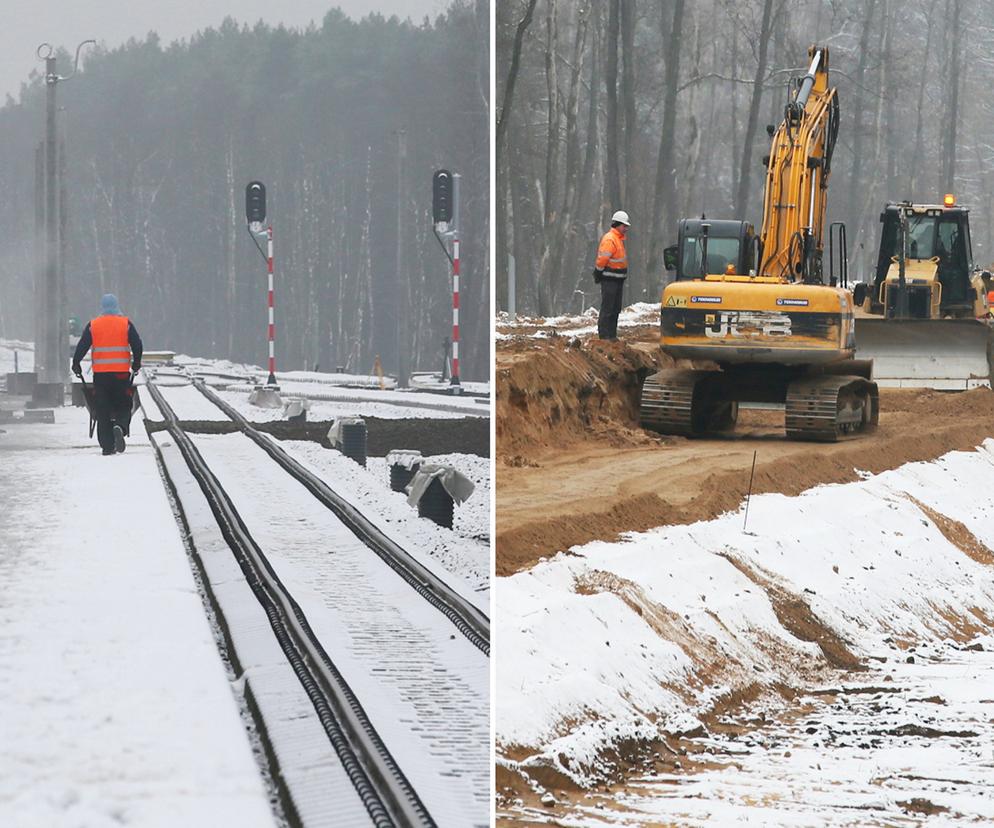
pixel 749 493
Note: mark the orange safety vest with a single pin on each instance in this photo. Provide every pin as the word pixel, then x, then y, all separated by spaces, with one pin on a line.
pixel 611 255
pixel 111 352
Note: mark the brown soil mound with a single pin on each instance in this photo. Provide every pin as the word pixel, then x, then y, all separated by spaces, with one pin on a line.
pixel 561 390
pixel 573 466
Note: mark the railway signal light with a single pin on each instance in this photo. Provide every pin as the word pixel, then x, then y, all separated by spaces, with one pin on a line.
pixel 255 205
pixel 441 197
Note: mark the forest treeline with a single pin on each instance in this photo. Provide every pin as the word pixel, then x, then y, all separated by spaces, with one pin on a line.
pixel 660 107
pixel 161 141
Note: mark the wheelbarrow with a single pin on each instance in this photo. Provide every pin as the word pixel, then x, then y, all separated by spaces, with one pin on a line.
pixel 90 399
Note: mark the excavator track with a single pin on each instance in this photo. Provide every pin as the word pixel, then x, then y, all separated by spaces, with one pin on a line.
pixel 683 402
pixel 829 408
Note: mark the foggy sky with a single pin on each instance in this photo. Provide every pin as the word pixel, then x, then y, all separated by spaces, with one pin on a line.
pixel 26 23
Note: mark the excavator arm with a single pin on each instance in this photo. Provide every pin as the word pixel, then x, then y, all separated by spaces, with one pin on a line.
pixel 797 178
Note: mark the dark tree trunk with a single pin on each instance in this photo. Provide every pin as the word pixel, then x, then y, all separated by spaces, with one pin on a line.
pixel 742 191
pixel 665 195
pixel 611 85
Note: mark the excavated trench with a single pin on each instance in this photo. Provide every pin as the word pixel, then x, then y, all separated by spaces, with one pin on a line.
pixel 468 435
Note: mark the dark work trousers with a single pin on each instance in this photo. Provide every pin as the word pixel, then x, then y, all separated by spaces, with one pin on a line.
pixel 113 394
pixel 607 319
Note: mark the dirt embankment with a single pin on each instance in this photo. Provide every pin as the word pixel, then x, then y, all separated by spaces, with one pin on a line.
pixel 574 466
pixel 565 390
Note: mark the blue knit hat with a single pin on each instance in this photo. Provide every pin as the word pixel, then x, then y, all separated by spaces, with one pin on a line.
pixel 109 305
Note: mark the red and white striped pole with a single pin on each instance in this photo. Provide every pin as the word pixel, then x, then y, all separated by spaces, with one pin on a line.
pixel 455 313
pixel 272 308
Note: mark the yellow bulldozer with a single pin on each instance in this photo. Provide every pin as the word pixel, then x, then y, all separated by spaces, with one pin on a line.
pixel 924 320
pixel 755 314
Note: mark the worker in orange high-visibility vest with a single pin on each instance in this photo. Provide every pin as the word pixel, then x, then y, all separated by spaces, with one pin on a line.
pixel 610 272
pixel 116 357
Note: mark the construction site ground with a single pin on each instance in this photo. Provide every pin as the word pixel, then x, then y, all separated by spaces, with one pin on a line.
pixel 664 665
pixel 573 465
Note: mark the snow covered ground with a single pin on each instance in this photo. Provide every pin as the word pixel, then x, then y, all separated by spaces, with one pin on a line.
pixel 424 686
pixel 114 704
pixel 463 550
pixel 328 399
pixel 909 742
pixel 225 369
pixel 328 403
pixel 633 316
pixel 617 643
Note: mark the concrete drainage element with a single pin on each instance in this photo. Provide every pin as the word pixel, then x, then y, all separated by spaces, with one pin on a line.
pixel 436 504
pixel 436 489
pixel 348 435
pixel 28 415
pixel 22 382
pixel 266 396
pixel 404 464
pixel 39 415
pixel 295 411
pixel 48 395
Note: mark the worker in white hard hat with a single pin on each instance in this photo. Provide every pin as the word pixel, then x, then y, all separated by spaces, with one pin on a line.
pixel 610 273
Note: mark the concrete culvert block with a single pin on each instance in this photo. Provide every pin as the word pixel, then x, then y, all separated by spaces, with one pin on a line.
pixel 39 415
pixel 437 505
pixel 348 435
pixel 48 395
pixel 266 396
pixel 436 489
pixel 296 410
pixel 404 464
pixel 21 382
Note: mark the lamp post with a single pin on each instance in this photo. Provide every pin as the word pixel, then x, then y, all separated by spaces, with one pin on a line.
pixel 50 329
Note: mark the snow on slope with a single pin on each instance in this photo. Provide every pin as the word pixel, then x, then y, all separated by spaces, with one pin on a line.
pixel 631 640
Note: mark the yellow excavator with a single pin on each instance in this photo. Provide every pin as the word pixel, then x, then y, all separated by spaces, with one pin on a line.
pixel 757 310
pixel 924 319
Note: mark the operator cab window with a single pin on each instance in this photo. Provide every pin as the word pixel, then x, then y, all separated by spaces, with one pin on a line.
pixel 721 253
pixel 921 237
pixel 950 244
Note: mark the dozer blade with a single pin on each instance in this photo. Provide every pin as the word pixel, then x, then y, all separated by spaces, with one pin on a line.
pixel 945 354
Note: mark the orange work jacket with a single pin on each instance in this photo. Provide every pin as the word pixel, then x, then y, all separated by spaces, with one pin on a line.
pixel 611 255
pixel 111 352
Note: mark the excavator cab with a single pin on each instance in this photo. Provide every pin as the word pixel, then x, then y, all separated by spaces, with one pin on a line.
pixel 724 246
